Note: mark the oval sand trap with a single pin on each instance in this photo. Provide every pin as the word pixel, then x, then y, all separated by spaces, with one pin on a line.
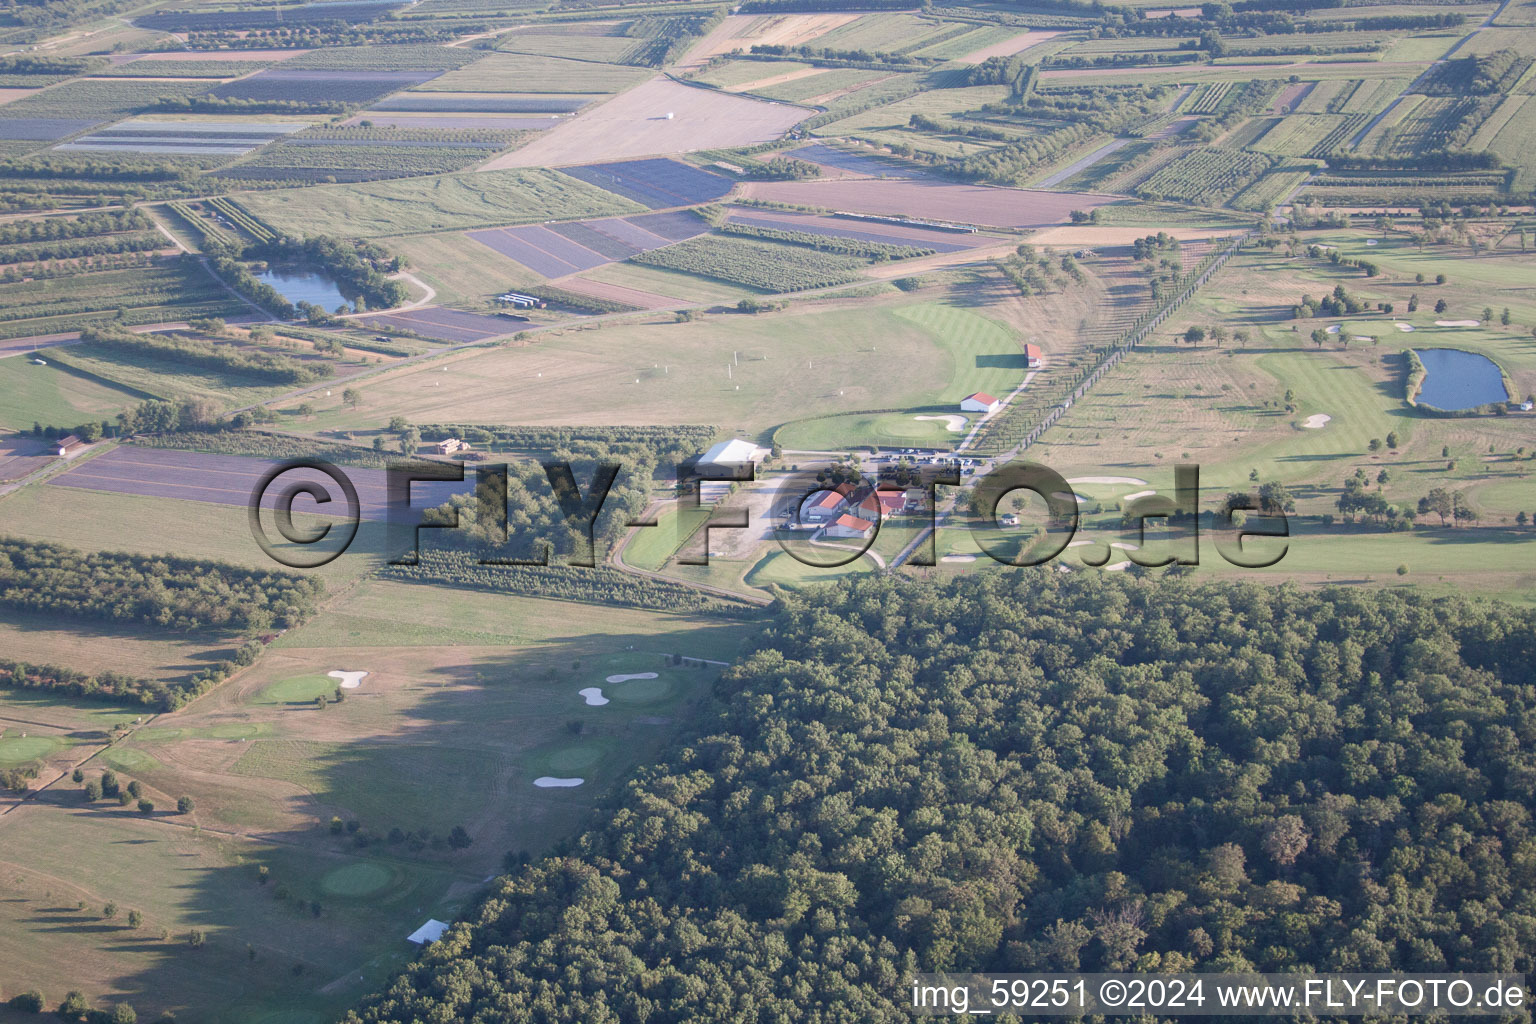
pixel 1456 323
pixel 550 782
pixel 953 422
pixel 1117 567
pixel 1107 480
pixel 621 678
pixel 1370 241
pixel 1139 494
pixel 958 558
pixel 593 696
pixel 349 680
pixel 1316 421
pixel 1403 327
pixel 1335 328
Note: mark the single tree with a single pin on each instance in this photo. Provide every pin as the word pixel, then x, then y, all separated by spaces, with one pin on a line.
pixel 185 805
pixel 135 919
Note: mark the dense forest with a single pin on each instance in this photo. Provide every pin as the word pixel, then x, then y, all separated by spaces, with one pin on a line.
pixel 175 593
pixel 1023 771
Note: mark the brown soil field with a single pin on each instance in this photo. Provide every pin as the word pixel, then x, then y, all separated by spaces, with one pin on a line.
pixel 933 200
pixel 1009 47
pixel 744 31
pixel 635 124
pixel 8 95
pixel 1074 235
pixel 617 292
pixel 788 76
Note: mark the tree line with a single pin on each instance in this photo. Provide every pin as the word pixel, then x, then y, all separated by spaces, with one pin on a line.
pixel 156 590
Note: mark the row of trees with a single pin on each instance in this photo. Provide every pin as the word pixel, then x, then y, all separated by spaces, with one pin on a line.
pixel 174 593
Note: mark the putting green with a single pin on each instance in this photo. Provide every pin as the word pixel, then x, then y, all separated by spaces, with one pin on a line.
pixel 363 879
pixel 639 691
pixel 19 749
pixel 574 759
pixel 299 690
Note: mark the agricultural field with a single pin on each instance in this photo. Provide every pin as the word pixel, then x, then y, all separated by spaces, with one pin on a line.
pixel 1293 247
pixel 450 202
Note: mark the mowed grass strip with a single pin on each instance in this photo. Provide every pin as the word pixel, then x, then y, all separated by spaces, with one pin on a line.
pixel 516 196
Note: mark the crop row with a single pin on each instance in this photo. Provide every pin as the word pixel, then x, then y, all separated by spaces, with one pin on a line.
pixel 766 265
pixel 205 226
pixel 356 163
pixel 236 215
pixel 864 248
pixel 1206 98
pixel 1205 176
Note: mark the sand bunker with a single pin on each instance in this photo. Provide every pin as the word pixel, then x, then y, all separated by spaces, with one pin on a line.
pixel 1403 327
pixel 1361 337
pixel 1117 567
pixel 1456 323
pixel 1078 543
pixel 1316 421
pixel 958 558
pixel 1139 494
pixel 1370 241
pixel 349 680
pixel 954 422
pixel 550 782
pixel 632 675
pixel 1335 328
pixel 593 696
pixel 1106 480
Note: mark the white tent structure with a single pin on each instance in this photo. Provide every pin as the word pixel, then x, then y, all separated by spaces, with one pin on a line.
pixel 429 932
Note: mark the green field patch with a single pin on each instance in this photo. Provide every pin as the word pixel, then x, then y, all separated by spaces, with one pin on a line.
pixel 354 881
pixel 639 691
pixel 652 546
pixel 578 758
pixel 18 749
pixel 127 759
pixel 298 690
pixel 55 395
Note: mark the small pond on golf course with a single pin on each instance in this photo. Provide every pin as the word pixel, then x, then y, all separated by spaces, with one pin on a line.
pixel 300 284
pixel 1456 380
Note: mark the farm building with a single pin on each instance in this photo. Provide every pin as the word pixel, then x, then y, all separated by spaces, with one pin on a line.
pixel 449 445
pixel 822 506
pixel 849 526
pixel 979 402
pixel 891 502
pixel 68 444
pixel 730 453
pixel 429 932
pixel 518 300
pixel 1031 356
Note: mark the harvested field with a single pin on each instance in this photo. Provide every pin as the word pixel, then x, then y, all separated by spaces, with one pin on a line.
pixel 859 230
pixel 526 72
pixel 7 95
pixel 868 164
pixel 22 455
pixel 744 31
pixel 933 200
pixel 558 249
pixel 494 122
pixel 636 123
pixel 442 323
pixel 227 479
pixel 1009 47
pixel 658 184
pixel 618 293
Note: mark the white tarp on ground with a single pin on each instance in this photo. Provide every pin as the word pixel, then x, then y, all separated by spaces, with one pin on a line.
pixel 429 932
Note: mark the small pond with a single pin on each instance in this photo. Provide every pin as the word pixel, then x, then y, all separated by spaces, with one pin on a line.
pixel 1456 380
pixel 297 284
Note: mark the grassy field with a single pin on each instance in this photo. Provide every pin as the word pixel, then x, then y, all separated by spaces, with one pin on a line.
pixel 480 688
pixel 922 357
pixel 521 72
pixel 462 271
pixel 449 202
pixel 53 394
